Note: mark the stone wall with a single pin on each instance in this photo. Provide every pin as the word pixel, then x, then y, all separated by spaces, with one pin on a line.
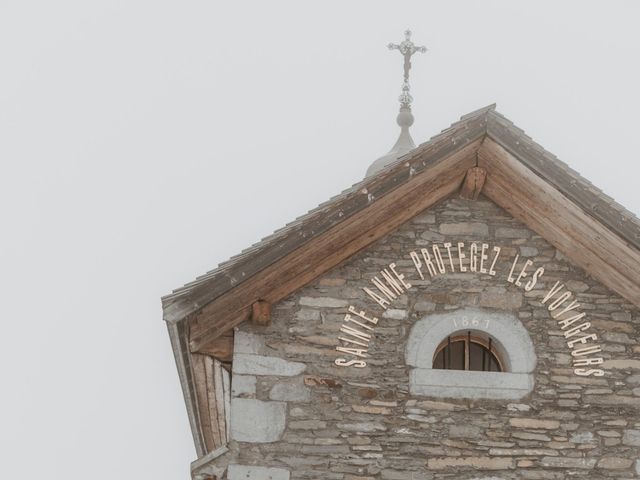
pixel 296 415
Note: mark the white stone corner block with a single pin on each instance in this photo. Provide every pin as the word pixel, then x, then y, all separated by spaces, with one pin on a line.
pixel 256 421
pixel 245 364
pixel 243 385
pixel 254 472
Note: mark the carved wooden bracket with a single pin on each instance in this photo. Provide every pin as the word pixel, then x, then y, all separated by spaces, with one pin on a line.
pixel 261 313
pixel 473 183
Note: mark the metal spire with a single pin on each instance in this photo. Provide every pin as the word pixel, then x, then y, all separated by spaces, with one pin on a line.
pixel 405 118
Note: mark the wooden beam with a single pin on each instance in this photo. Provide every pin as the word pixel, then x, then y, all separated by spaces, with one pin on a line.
pixel 569 183
pixel 213 396
pixel 213 392
pixel 578 235
pixel 261 313
pixel 221 348
pixel 327 250
pixel 199 363
pixel 205 462
pixel 473 183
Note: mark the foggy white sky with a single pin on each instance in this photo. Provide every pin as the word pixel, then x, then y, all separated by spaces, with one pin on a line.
pixel 143 142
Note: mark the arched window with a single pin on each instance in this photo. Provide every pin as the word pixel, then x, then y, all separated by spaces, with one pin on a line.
pixel 474 352
pixel 445 354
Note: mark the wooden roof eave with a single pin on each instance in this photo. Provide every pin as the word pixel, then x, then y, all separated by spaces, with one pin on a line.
pixel 328 235
pixel 322 252
pixel 575 232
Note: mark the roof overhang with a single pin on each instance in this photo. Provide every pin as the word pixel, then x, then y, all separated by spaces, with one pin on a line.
pixel 522 177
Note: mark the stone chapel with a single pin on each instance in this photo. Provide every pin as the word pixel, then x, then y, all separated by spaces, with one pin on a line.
pixel 469 310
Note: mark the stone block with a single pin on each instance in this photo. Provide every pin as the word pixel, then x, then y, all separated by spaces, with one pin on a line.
pixel 324 450
pixel 478 463
pixel 507 232
pixel 253 472
pixel 621 316
pixel 243 385
pixel 568 462
pixel 430 236
pixel 307 314
pixel 464 431
pixel 576 286
pixel 531 436
pixel 582 437
pixel 475 229
pixel 631 437
pixel 615 463
pixel 323 302
pixel 371 409
pixel 290 392
pixel 616 400
pixel 256 421
pixel 501 300
pixel 424 306
pixel 617 337
pixel 362 427
pixel 307 425
pixel 314 381
pixel 395 314
pixel 424 217
pixel 467 384
pixel 432 405
pixel 528 251
pixel 246 342
pixel 403 475
pixel 621 364
pixel 244 364
pixel 534 424
pixel 522 452
pixel 422 418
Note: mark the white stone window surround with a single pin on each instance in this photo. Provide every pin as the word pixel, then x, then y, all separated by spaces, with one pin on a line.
pixel 512 342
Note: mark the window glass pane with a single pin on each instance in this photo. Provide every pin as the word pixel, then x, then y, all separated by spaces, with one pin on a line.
pixel 493 366
pixel 451 356
pixel 475 357
pixel 457 356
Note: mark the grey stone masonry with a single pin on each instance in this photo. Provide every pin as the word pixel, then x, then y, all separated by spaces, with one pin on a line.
pixel 296 415
pixel 249 472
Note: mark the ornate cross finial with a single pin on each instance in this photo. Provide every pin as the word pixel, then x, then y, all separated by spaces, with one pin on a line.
pixel 407 48
pixel 404 143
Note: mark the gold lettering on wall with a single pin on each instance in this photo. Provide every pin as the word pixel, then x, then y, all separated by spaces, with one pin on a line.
pixel 358 326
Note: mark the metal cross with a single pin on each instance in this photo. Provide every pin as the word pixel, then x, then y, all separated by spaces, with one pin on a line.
pixel 407 48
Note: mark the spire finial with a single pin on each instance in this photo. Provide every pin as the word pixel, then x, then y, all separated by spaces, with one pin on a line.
pixel 405 118
pixel 407 48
